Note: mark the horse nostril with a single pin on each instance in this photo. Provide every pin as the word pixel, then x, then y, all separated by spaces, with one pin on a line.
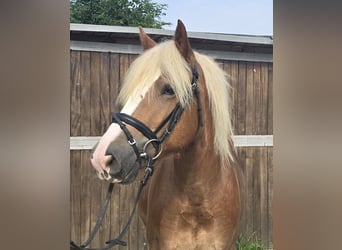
pixel 116 174
pixel 109 160
pixel 114 169
pixel 105 174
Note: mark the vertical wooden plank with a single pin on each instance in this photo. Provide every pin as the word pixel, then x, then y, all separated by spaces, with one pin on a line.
pixel 105 228
pixel 270 155
pixel 142 244
pixel 270 99
pixel 241 152
pixel 257 96
pixel 234 76
pixel 249 190
pixel 124 213
pixel 241 107
pixel 124 64
pixel 85 93
pixel 256 127
pixel 75 93
pixel 85 130
pixel 237 80
pixel 270 195
pixel 86 197
pixel 133 57
pixel 264 99
pixel 95 199
pixel 75 156
pixel 133 235
pixel 256 191
pixel 220 63
pixel 226 68
pixel 115 212
pixel 250 108
pixel 105 117
pixel 240 129
pixel 95 94
pixel 75 196
pixel 114 81
pixel 250 114
pixel 263 163
pixel 263 195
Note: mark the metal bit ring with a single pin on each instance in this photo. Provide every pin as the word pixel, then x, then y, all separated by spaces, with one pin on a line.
pixel 158 152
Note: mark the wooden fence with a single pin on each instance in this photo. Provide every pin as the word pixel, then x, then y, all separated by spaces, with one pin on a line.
pixel 95 78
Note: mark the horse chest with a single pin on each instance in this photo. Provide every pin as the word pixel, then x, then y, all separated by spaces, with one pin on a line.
pixel 191 221
pixel 197 218
pixel 191 229
pixel 187 220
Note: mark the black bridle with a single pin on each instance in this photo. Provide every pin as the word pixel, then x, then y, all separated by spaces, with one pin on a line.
pixel 122 119
pixel 171 120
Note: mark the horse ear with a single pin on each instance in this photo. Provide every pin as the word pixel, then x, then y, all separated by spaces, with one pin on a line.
pixel 146 41
pixel 183 44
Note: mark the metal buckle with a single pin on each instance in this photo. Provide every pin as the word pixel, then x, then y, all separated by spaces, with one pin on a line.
pixel 132 143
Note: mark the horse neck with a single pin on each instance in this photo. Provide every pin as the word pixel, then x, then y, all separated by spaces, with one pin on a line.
pixel 199 164
pixel 196 165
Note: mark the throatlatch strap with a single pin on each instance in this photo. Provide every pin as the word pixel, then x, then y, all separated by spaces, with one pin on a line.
pixel 195 89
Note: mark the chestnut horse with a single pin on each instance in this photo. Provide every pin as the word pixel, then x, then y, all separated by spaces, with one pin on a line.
pixel 176 115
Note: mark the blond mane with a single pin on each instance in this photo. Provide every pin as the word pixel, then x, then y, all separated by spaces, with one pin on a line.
pixel 218 92
pixel 165 60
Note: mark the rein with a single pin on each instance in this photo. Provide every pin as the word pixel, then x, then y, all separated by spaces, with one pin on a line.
pixel 122 119
pixel 118 240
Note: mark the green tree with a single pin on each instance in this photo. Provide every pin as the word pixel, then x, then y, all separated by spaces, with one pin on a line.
pixel 118 12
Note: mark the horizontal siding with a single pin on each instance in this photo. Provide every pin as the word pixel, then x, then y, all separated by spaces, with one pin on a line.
pixel 88 142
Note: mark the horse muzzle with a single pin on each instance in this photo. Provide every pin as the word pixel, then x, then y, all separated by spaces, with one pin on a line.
pixel 115 162
pixel 123 166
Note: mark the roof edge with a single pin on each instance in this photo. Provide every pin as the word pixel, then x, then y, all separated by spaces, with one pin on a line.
pixel 252 39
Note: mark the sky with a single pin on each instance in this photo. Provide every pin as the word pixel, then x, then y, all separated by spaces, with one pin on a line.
pixel 247 17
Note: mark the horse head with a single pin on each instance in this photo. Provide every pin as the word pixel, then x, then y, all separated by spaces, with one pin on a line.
pixel 159 114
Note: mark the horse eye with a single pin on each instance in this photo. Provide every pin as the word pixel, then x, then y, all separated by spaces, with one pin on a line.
pixel 167 90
